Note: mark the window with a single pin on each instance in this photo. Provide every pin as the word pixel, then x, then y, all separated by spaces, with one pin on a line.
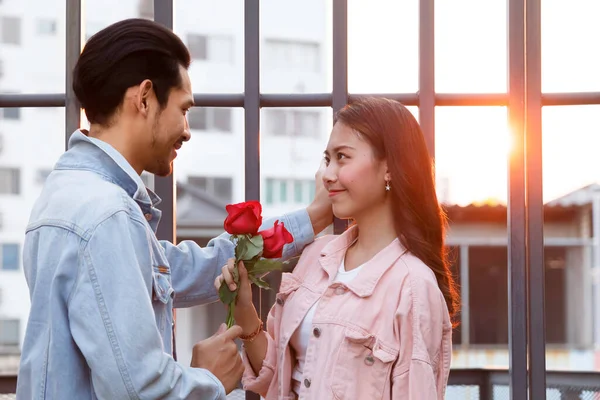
pixel 10 30
pixel 10 256
pixel 211 48
pixel 219 187
pixel 46 27
pixel 278 190
pixel 12 113
pixel 213 119
pixel 42 175
pixel 9 332
pixel 292 55
pixel 283 191
pixel 270 189
pixel 146 9
pixel 10 181
pixel 488 293
pixel 298 186
pixel 295 123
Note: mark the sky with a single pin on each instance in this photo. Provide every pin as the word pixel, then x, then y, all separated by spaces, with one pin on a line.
pixel 472 143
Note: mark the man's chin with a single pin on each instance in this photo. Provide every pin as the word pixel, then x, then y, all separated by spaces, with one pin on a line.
pixel 163 170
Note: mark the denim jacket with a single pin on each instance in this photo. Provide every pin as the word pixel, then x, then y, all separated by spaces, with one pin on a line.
pixel 103 287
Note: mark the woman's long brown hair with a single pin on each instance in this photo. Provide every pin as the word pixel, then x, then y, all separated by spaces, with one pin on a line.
pixel 395 136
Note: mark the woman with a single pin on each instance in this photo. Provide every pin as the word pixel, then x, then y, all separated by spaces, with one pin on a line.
pixel 367 314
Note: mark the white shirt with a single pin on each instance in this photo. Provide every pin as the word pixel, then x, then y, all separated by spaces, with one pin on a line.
pixel 300 338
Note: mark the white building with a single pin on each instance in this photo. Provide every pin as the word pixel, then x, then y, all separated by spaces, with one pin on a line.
pixel 295 58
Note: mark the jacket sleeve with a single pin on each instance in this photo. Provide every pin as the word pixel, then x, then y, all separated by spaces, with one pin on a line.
pixel 194 269
pixel 112 321
pixel 423 325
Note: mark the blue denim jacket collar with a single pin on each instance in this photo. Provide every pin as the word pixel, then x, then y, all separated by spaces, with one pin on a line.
pixel 87 153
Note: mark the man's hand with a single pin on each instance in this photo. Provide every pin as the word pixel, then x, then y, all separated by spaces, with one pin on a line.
pixel 219 355
pixel 320 211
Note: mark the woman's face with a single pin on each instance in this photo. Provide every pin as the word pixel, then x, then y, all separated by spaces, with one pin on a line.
pixel 353 176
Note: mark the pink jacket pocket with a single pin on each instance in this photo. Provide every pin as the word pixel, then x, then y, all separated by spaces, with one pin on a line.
pixel 363 367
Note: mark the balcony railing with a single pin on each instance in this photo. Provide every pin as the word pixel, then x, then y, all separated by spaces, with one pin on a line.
pixel 472 384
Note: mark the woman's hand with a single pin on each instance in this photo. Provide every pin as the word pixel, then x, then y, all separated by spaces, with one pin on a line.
pixel 245 314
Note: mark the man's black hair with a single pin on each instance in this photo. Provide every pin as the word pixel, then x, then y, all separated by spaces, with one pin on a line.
pixel 123 55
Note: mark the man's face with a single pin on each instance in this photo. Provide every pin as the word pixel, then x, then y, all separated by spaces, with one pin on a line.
pixel 170 128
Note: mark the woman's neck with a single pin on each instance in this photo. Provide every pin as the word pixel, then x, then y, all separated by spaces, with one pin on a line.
pixel 375 232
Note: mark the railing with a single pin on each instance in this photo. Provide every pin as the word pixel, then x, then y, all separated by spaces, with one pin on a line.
pixel 472 384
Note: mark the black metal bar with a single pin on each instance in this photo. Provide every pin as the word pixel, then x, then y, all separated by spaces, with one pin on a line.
pixel 219 100
pixel 252 126
pixel 471 99
pixel 32 100
pixel 8 384
pixel 165 186
pixel 535 206
pixel 570 99
pixel 408 99
pixel 427 72
pixel 517 229
pixel 293 100
pixel 340 75
pixel 324 99
pixel 72 51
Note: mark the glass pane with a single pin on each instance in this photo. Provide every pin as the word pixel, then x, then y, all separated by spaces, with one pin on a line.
pixel 472 145
pixel 292 143
pixel 470 46
pixel 29 32
pixel 571 179
pixel 27 146
pixel 570 32
pixel 9 332
pixel 10 257
pixel 214 33
pixel 295 52
pixel 98 14
pixel 570 143
pixel 209 174
pixel 383 50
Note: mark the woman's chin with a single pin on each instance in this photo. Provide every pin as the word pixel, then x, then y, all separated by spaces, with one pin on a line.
pixel 340 213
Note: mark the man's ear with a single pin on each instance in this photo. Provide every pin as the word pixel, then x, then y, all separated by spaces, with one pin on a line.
pixel 145 92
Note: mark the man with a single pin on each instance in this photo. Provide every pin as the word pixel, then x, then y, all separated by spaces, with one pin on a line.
pixel 102 286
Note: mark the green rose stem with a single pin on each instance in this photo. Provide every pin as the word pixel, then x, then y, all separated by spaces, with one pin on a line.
pixel 248 249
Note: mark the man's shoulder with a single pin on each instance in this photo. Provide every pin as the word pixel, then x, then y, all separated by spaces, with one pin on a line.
pixel 79 200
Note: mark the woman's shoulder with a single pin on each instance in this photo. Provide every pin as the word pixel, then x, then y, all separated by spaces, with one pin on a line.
pixel 312 252
pixel 319 244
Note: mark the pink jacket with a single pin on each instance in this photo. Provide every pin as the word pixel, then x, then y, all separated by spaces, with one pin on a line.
pixel 385 335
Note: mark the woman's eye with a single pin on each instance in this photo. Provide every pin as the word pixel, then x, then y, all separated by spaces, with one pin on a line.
pixel 340 156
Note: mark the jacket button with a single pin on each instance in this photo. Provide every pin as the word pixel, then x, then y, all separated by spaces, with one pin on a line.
pixel 307 383
pixel 317 332
pixel 148 216
pixel 369 360
pixel 279 301
pixel 340 290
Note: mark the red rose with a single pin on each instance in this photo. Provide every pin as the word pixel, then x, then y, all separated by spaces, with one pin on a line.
pixel 243 218
pixel 274 240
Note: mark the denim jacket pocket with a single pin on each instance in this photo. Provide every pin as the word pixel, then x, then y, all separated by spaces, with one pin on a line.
pixel 162 290
pixel 363 367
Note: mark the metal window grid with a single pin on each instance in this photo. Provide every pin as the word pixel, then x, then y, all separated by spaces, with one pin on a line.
pixel 524 100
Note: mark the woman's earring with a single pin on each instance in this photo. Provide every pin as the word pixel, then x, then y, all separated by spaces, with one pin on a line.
pixel 387 186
